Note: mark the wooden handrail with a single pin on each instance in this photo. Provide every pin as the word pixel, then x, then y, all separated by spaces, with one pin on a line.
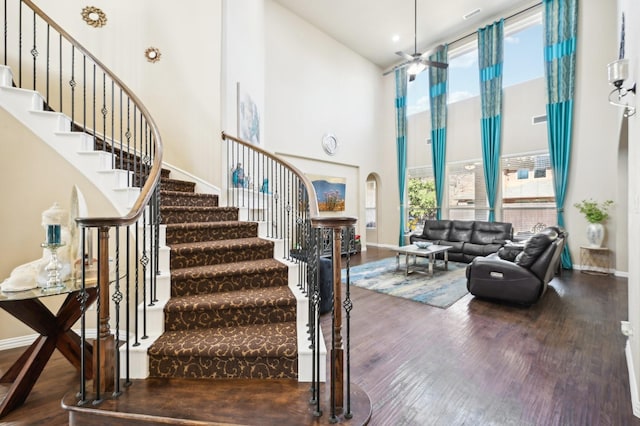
pixel 313 201
pixel 154 174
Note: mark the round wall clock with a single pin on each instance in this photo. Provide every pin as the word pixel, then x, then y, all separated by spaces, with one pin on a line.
pixel 330 143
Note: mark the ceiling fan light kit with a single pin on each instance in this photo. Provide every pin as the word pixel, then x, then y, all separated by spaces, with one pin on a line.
pixel 417 62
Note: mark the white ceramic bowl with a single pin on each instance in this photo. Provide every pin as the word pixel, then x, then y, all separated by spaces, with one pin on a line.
pixel 422 244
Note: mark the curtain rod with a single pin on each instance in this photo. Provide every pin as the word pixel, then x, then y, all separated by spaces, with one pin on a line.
pixel 513 15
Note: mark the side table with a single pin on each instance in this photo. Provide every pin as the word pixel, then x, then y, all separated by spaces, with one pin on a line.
pixel 595 260
pixel 55 333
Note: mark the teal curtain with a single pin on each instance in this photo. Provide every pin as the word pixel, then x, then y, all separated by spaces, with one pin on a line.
pixel 438 100
pixel 401 142
pixel 561 25
pixel 490 59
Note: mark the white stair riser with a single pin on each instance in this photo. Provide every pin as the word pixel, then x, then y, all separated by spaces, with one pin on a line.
pixel 52 122
pixel 116 179
pixel 27 99
pixel 6 76
pixel 126 196
pixel 99 160
pixel 163 286
pixel 77 140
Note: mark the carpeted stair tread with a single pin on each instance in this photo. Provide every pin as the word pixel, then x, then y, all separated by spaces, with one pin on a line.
pixel 266 340
pixel 210 231
pixel 228 277
pixel 180 198
pixel 201 253
pixel 182 214
pixel 230 308
pixel 176 185
pixel 260 297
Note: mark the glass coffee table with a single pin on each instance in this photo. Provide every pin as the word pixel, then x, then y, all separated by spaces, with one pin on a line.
pixel 415 252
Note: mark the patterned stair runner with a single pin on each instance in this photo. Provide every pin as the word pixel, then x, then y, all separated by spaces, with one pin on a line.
pixel 231 313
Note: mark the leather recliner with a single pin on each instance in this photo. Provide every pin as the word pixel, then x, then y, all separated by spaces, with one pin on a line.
pixel 522 280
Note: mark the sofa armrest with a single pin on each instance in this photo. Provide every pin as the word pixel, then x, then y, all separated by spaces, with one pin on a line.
pixel 492 267
pixel 494 278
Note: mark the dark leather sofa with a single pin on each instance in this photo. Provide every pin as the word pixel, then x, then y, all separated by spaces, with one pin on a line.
pixel 514 277
pixel 468 238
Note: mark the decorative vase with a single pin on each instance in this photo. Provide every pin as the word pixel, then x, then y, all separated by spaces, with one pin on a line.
pixel 595 234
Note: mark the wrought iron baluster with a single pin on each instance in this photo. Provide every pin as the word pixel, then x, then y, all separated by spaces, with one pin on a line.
pixel 127 309
pixel 34 51
pixel 20 45
pixel 348 306
pixel 117 297
pixel 48 66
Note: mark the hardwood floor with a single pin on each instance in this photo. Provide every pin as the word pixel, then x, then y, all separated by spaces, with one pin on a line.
pixel 559 362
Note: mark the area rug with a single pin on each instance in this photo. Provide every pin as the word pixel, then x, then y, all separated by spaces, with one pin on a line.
pixel 442 290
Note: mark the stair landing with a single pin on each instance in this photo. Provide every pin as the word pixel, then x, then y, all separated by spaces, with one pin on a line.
pixel 227 402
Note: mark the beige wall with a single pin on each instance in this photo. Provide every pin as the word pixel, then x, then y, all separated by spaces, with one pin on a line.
pixel 314 85
pixel 34 177
pixel 189 39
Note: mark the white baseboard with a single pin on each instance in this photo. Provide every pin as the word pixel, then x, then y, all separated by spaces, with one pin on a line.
pixel 26 340
pixel 635 402
pixel 622 274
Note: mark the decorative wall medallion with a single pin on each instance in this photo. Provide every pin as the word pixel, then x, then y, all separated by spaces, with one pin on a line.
pixel 94 16
pixel 330 144
pixel 152 54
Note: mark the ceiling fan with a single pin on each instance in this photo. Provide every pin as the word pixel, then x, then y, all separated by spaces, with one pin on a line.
pixel 417 62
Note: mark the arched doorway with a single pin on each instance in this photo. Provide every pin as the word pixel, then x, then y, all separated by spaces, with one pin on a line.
pixel 371 208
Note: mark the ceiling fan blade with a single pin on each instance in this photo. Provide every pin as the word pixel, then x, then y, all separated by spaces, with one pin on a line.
pixel 405 55
pixel 435 64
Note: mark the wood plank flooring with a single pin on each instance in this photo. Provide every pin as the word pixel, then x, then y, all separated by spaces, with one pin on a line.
pixel 559 362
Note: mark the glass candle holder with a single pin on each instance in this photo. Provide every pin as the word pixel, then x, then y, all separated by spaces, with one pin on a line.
pixel 53 268
pixel 53 234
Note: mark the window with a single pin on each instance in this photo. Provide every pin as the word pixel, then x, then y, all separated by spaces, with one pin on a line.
pixel 523 51
pixel 421 189
pixel 467 194
pixel 370 203
pixel 528 200
pixel 464 81
pixel 417 90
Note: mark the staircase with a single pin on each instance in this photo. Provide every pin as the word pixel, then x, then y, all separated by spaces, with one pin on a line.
pixel 229 310
pixel 222 307
pixel 231 313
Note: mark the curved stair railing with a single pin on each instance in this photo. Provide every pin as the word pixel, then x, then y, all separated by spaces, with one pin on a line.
pixel 273 192
pixel 99 107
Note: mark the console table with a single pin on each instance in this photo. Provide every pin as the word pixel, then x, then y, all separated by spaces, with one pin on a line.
pixel 595 260
pixel 55 333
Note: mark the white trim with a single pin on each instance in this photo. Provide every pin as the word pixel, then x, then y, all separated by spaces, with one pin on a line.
pixel 601 270
pixel 635 402
pixel 202 186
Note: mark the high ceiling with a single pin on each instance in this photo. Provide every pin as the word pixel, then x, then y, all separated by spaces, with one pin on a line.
pixel 367 26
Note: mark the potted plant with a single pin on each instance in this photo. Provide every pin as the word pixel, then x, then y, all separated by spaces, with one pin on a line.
pixel 596 214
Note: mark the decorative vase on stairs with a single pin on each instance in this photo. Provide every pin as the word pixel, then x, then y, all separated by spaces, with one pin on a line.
pixel 595 234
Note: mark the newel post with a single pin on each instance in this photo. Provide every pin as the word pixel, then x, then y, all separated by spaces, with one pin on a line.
pixel 336 225
pixel 104 347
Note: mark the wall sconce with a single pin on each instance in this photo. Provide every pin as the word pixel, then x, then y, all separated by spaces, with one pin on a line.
pixel 618 72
